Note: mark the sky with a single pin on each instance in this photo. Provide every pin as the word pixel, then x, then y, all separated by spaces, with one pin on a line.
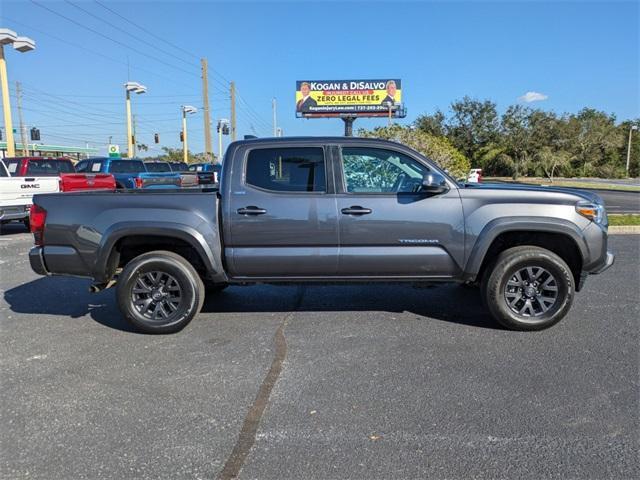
pixel 558 56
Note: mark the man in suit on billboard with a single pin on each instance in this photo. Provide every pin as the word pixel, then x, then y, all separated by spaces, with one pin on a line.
pixel 391 94
pixel 306 101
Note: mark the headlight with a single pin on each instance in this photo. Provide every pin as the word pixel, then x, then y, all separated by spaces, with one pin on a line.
pixel 593 211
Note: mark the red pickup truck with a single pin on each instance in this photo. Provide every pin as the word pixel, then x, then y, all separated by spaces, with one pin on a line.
pixel 63 168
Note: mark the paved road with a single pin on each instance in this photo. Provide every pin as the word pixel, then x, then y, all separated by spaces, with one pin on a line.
pixel 373 381
pixel 619 201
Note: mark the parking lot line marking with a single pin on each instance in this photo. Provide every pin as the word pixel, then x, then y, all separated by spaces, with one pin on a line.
pixel 247 436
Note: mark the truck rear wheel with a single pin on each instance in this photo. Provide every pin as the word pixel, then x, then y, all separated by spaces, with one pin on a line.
pixel 159 292
pixel 528 288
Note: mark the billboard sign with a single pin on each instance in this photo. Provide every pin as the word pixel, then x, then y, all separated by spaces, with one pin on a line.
pixel 360 98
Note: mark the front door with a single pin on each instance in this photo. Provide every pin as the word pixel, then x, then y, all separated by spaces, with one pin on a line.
pixel 281 215
pixel 388 227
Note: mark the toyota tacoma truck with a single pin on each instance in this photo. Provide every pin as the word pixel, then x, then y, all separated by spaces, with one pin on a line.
pixel 330 209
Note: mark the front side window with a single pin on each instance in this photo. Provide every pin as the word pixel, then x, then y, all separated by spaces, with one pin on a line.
pixel 375 170
pixel 287 169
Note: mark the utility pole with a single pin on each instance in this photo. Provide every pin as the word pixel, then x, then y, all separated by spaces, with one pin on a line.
pixel 275 123
pixel 233 111
pixel 133 138
pixel 208 149
pixel 631 129
pixel 23 132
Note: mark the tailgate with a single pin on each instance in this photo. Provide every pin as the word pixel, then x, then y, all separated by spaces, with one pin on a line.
pixel 72 182
pixel 160 180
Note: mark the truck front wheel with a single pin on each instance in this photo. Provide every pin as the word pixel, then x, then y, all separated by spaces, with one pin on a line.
pixel 529 288
pixel 159 292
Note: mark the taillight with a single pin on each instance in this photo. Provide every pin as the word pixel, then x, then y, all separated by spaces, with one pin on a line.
pixel 139 182
pixel 37 218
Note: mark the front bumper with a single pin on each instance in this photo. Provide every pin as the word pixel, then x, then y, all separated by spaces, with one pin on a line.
pixel 608 261
pixel 36 259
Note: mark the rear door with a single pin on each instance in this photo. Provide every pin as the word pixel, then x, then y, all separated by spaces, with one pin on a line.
pixel 388 228
pixel 280 213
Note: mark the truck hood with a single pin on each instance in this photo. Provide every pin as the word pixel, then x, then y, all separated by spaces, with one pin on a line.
pixel 584 194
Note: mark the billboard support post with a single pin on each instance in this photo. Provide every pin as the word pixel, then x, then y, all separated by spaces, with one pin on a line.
pixel 348 125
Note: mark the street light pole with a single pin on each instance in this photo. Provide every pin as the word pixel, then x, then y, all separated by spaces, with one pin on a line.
pixel 129 127
pixel 139 89
pixel 21 44
pixel 633 127
pixel 185 148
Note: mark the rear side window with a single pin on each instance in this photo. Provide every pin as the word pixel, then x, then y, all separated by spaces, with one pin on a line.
pixel 82 166
pixel 287 169
pixel 157 167
pixel 48 167
pixel 127 166
pixel 3 171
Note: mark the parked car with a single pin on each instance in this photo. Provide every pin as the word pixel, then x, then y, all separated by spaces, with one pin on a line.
pixel 188 179
pixel 63 168
pixel 326 209
pixel 475 175
pixel 208 173
pixel 129 173
pixel 16 194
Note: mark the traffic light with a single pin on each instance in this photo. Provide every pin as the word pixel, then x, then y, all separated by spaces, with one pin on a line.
pixel 225 129
pixel 182 136
pixel 156 138
pixel 35 134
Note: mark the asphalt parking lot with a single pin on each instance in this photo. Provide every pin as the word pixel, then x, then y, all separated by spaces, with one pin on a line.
pixel 327 382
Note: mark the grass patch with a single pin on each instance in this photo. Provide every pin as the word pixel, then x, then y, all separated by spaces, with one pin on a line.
pixel 565 182
pixel 619 220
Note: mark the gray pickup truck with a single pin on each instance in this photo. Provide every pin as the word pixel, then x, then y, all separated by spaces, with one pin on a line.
pixel 325 209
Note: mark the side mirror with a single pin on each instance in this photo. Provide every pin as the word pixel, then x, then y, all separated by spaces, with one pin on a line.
pixel 434 183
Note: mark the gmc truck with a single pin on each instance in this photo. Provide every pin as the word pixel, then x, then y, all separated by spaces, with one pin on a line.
pixel 325 210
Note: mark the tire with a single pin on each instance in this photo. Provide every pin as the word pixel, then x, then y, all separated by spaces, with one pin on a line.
pixel 166 277
pixel 528 274
pixel 26 223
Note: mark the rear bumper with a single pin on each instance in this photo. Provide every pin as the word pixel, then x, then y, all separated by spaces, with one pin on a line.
pixel 14 212
pixel 36 259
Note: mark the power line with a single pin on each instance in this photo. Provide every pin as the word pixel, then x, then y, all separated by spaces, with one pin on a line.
pixel 128 33
pixel 112 39
pixel 145 30
pixel 93 52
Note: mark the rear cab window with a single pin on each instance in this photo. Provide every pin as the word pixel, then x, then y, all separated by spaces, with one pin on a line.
pixel 157 167
pixel 287 169
pixel 49 167
pixel 127 166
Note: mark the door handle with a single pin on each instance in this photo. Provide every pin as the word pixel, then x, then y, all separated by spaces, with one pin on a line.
pixel 251 210
pixel 356 210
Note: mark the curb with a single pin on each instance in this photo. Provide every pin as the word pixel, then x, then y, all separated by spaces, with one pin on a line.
pixel 624 230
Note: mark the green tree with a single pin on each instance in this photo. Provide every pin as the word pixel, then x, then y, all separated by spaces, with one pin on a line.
pixel 438 149
pixel 473 125
pixel 517 138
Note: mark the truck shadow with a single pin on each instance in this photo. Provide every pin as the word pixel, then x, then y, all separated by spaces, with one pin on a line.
pixel 67 296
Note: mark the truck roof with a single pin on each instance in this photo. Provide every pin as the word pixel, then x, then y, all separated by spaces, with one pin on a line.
pixel 324 139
